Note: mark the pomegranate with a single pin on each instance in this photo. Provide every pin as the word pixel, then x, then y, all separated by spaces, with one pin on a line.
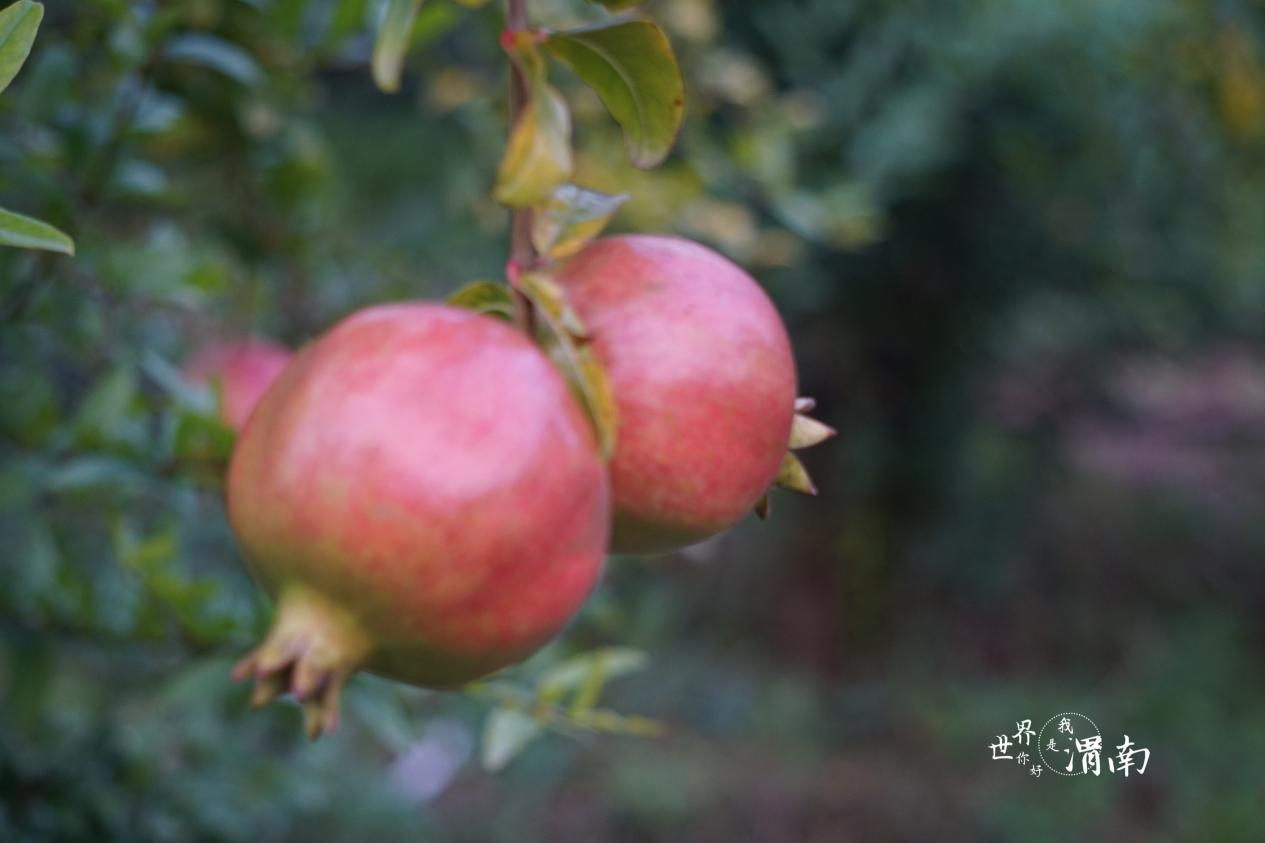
pixel 242 370
pixel 422 495
pixel 704 382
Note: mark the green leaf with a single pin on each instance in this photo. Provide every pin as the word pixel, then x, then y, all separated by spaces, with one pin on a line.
pixel 199 438
pixel 184 394
pixel 571 218
pixel 379 709
pixel 148 556
pixel 587 674
pixel 485 297
pixel 92 473
pixel 393 41
pixel 26 233
pixel 215 54
pixel 506 733
pixel 567 344
pixel 106 412
pixel 538 159
pixel 18 25
pixel 631 66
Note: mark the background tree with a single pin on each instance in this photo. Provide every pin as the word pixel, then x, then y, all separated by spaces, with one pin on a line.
pixel 1017 243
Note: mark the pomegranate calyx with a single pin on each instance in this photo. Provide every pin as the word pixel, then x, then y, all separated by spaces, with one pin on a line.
pixel 311 649
pixel 792 475
pixel 807 432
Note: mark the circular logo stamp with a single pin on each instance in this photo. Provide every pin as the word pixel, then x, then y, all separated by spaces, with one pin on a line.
pixel 1064 739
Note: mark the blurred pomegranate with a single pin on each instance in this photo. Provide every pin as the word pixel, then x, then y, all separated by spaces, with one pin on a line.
pixel 242 370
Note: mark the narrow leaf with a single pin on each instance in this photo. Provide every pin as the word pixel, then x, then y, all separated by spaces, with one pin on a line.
pixel 106 411
pixel 551 298
pixel 574 672
pixel 506 733
pixel 485 297
pixel 183 394
pixel 598 397
pixel 215 54
pixel 591 691
pixel 571 218
pixel 613 723
pixel 631 66
pixel 538 159
pixel 392 43
pixel 603 669
pixel 18 25
pixel 26 233
pixel 567 346
pixel 792 475
pixel 807 432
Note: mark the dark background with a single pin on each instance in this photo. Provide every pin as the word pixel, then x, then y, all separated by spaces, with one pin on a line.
pixel 1020 246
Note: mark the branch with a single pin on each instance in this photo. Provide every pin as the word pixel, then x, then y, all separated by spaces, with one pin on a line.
pixel 522 253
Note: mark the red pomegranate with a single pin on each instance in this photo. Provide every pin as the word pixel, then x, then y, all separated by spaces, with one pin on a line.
pixel 423 497
pixel 243 370
pixel 704 383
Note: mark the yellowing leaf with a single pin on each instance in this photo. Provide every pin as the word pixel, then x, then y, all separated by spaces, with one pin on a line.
pixel 567 347
pixel 392 43
pixel 571 218
pixel 485 297
pixel 552 299
pixel 18 25
pixel 613 723
pixel 538 159
pixel 631 66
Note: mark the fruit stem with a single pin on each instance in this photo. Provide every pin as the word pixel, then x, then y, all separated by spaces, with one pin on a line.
pixel 311 649
pixel 522 252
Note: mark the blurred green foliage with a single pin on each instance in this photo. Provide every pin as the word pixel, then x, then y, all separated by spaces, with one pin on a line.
pixel 977 217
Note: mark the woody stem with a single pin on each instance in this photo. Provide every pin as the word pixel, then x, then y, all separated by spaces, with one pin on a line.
pixel 522 252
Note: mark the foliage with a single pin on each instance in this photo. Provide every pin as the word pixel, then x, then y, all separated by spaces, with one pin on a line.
pixel 971 214
pixel 18 25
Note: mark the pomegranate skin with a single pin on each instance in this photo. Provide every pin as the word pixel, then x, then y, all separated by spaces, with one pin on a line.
pixel 244 369
pixel 704 382
pixel 423 496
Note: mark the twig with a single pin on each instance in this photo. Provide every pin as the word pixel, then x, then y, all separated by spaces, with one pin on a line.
pixel 522 252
